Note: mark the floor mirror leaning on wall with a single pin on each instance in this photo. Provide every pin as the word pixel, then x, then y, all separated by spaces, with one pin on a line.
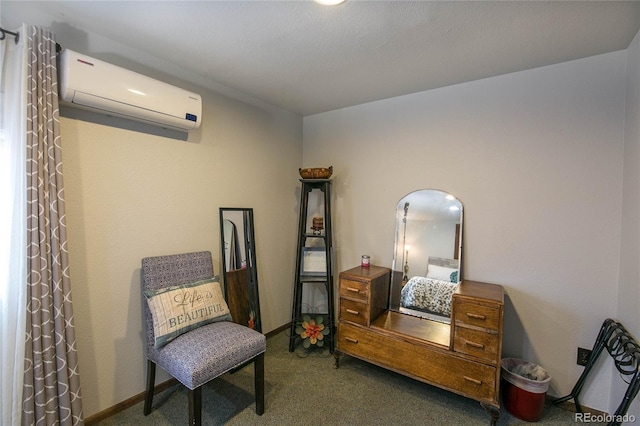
pixel 239 268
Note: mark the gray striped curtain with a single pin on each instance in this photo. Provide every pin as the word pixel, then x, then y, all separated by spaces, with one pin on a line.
pixel 51 393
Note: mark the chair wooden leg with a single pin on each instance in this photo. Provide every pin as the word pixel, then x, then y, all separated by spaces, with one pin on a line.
pixel 259 383
pixel 195 406
pixel 151 381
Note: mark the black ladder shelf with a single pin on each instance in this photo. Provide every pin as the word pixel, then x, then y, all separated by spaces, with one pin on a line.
pixel 324 274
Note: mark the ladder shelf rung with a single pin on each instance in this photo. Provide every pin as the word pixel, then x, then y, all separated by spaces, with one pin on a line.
pixel 312 279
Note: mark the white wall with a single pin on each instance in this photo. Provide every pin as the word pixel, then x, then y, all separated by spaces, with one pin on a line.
pixel 131 195
pixel 629 291
pixel 134 191
pixel 535 157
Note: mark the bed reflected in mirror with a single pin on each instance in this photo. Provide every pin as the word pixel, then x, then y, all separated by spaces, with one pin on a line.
pixel 427 263
pixel 239 269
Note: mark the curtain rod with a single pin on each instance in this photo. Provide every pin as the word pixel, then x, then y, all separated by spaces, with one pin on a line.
pixel 3 34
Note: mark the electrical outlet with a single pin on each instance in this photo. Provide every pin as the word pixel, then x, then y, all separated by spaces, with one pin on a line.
pixel 583 356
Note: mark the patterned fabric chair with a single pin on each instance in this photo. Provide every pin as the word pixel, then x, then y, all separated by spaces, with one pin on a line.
pixel 202 354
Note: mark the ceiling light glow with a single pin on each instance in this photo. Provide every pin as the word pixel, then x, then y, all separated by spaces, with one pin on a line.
pixel 330 2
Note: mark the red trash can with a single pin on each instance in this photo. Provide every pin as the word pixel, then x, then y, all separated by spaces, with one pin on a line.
pixel 524 388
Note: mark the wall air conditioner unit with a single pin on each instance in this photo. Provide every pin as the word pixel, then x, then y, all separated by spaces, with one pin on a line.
pixel 92 84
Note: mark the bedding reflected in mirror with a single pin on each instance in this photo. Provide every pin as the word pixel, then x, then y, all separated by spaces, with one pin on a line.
pixel 427 257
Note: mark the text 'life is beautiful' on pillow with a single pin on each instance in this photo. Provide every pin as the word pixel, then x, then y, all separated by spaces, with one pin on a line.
pixel 176 310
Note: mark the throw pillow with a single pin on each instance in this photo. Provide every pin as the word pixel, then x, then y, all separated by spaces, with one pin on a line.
pixel 176 310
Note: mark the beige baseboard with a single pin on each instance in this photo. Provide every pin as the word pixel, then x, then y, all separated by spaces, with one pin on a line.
pixel 121 406
pixel 571 407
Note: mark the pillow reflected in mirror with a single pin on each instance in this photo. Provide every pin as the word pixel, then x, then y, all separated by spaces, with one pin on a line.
pixel 442 273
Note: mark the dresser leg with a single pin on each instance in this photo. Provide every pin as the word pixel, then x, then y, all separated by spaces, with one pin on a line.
pixel 337 355
pixel 494 412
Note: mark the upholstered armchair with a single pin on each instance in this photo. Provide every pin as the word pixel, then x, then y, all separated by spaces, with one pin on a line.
pixel 189 330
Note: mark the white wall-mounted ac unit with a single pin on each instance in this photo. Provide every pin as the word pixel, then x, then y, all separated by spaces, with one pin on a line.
pixel 92 84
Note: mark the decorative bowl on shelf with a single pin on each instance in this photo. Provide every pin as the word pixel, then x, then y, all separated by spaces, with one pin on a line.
pixel 316 173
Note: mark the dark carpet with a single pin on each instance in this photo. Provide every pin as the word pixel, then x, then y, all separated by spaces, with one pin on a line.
pixel 304 388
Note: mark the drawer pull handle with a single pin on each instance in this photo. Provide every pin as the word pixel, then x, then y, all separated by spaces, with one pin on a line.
pixel 475 345
pixel 476 316
pixel 469 379
pixel 352 312
pixel 353 290
pixel 351 339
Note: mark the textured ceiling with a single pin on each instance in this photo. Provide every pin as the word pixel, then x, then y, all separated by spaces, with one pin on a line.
pixel 309 58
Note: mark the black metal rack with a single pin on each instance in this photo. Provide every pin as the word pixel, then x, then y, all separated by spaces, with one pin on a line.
pixel 322 255
pixel 625 352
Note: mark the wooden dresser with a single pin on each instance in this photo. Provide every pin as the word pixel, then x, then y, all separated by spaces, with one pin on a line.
pixel 461 357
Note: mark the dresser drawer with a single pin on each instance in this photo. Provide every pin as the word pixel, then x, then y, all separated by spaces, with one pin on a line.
pixel 354 289
pixel 476 343
pixel 431 365
pixel 353 311
pixel 478 315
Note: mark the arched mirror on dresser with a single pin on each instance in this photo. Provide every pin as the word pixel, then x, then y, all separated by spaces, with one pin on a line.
pixel 421 317
pixel 427 261
pixel 239 269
